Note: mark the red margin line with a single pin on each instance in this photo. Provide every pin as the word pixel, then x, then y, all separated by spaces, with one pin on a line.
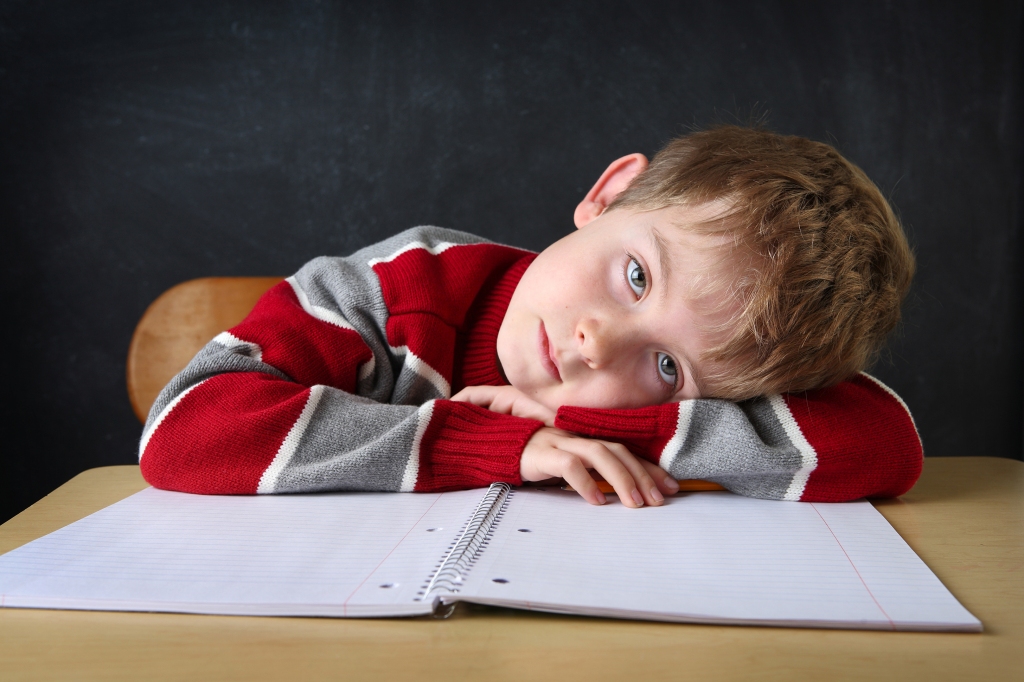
pixel 344 604
pixel 854 566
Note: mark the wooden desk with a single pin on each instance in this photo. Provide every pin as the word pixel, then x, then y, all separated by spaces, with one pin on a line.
pixel 965 518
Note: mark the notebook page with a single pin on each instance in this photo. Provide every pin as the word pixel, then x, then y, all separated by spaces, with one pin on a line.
pixel 711 557
pixel 347 554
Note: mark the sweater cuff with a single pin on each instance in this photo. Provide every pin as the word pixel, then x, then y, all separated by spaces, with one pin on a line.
pixel 466 446
pixel 644 431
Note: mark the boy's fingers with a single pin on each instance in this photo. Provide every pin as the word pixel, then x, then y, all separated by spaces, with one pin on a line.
pixel 505 400
pixel 599 456
pixel 665 482
pixel 645 483
pixel 569 457
pixel 576 475
pixel 477 395
pixel 524 407
pixel 581 454
pixel 607 463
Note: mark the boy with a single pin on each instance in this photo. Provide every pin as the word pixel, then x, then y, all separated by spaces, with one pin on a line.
pixel 651 344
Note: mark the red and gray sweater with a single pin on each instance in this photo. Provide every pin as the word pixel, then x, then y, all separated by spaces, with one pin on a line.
pixel 339 379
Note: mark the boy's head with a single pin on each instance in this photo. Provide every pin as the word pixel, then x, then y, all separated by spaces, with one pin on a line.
pixel 737 263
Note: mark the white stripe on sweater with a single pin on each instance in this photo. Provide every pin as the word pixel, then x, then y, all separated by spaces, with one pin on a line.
pixel 163 415
pixel 413 361
pixel 366 369
pixel 412 467
pixel 319 312
pixel 271 475
pixel 899 400
pixel 434 250
pixel 808 457
pixel 229 340
pixel 675 444
pixel 420 366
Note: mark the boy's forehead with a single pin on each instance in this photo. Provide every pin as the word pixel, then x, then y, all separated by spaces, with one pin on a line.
pixel 690 220
pixel 699 266
pixel 681 233
pixel 686 226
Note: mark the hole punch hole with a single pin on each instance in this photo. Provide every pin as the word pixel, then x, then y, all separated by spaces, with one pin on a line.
pixel 431 530
pixel 525 530
pixel 388 586
pixel 499 580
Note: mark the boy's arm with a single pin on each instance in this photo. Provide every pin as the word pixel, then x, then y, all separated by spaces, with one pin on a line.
pixel 853 440
pixel 271 407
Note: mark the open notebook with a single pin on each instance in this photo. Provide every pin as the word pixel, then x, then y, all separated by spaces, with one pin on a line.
pixel 707 557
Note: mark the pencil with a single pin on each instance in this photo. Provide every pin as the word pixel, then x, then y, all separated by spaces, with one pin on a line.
pixel 687 485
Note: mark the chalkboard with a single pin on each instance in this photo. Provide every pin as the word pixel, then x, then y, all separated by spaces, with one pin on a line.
pixel 145 143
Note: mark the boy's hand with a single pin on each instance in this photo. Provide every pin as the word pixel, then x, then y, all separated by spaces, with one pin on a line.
pixel 506 400
pixel 553 453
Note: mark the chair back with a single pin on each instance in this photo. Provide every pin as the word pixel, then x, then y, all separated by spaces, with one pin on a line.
pixel 180 322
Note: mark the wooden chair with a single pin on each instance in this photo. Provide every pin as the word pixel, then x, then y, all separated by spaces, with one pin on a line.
pixel 180 322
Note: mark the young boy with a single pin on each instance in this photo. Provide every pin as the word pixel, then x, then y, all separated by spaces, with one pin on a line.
pixel 708 319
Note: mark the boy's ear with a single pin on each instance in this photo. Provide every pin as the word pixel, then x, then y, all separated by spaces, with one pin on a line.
pixel 611 183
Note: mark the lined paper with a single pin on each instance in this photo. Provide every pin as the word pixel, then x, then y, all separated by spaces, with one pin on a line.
pixel 354 554
pixel 707 557
pixel 712 557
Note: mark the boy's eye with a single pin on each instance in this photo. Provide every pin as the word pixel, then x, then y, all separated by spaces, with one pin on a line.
pixel 636 277
pixel 667 369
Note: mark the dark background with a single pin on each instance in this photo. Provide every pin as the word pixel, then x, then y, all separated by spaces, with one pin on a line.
pixel 146 143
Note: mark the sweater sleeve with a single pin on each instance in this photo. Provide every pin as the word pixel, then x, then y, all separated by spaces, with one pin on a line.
pixel 273 405
pixel 853 440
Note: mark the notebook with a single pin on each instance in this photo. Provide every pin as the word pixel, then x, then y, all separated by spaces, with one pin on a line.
pixel 700 558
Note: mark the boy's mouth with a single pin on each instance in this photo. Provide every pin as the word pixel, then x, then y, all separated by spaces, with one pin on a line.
pixel 547 358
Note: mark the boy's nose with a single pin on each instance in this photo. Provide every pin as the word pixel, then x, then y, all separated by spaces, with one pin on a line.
pixel 601 342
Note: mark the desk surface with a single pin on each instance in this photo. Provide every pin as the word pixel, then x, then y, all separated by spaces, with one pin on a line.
pixel 965 518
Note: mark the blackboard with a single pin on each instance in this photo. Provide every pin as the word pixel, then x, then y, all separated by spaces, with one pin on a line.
pixel 145 143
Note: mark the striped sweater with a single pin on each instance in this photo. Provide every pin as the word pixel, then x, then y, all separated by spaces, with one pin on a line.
pixel 339 379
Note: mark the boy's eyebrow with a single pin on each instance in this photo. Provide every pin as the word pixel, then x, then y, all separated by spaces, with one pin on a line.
pixel 695 374
pixel 661 246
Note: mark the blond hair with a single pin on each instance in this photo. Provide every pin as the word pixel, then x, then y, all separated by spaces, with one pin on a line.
pixel 826 262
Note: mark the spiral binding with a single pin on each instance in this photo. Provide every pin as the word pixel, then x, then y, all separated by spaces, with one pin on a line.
pixel 464 552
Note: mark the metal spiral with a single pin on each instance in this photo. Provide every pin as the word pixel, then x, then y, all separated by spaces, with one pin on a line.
pixel 464 552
